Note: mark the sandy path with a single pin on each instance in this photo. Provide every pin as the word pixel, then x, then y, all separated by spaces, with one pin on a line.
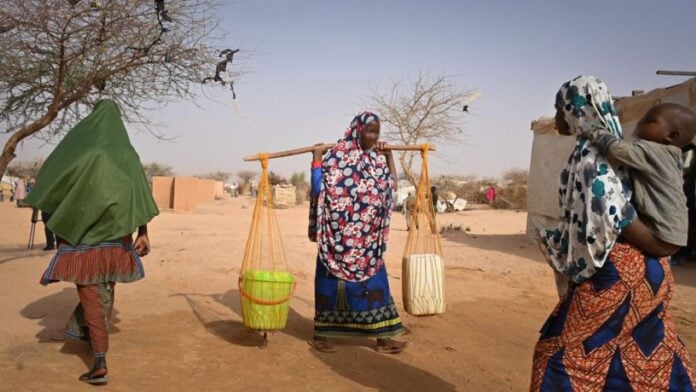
pixel 180 328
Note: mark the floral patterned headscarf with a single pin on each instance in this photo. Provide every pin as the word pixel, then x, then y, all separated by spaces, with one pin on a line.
pixel 354 206
pixel 594 195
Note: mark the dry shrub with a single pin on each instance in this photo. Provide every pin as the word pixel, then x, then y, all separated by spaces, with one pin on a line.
pixel 511 188
pixel 513 193
pixel 26 170
pixel 302 188
pixel 468 188
pixel 276 179
pixel 245 177
pixel 452 227
pixel 302 193
pixel 511 198
pixel 217 176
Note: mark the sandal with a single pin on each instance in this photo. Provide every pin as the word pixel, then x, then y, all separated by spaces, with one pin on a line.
pixel 390 346
pixel 323 346
pixel 58 337
pixel 96 375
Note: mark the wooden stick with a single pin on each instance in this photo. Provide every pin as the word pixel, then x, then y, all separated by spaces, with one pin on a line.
pixel 676 73
pixel 327 146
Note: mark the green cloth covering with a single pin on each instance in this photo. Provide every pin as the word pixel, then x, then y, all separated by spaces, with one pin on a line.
pixel 93 183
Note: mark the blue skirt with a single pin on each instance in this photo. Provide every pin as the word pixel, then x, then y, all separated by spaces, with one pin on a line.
pixel 346 309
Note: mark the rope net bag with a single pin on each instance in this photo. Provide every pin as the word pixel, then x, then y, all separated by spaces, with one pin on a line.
pixel 423 265
pixel 265 284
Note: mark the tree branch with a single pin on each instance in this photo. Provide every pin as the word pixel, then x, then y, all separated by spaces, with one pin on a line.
pixel 428 111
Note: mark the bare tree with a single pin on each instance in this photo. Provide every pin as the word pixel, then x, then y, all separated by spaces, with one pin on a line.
pixel 429 109
pixel 276 179
pixel 60 56
pixel 155 169
pixel 245 176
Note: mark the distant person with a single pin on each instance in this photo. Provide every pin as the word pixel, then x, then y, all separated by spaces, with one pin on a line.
pixel 94 187
pixel 615 313
pixel 491 193
pixel 433 192
pixel 20 192
pixel 408 209
pixel 235 189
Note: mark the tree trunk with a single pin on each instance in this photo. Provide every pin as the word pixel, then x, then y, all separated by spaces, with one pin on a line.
pixel 8 153
pixel 6 158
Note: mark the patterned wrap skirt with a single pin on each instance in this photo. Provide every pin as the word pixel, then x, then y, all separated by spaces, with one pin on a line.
pixel 111 261
pixel 614 332
pixel 347 309
pixel 95 270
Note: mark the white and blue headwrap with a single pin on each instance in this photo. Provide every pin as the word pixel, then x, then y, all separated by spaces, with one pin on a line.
pixel 594 195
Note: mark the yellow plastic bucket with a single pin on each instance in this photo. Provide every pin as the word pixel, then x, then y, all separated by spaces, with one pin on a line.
pixel 265 299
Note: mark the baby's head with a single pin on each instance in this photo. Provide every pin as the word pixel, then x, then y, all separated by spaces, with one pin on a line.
pixel 668 123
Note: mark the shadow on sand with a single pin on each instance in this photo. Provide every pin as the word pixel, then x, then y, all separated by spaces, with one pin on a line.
pixel 355 360
pixel 514 244
pixel 52 313
pixel 16 252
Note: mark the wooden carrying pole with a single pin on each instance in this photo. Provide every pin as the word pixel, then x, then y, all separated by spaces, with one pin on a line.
pixel 676 73
pixel 303 150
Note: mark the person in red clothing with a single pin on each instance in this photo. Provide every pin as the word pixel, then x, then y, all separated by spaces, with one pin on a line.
pixel 490 194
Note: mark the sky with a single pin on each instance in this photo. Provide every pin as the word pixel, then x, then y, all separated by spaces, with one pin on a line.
pixel 310 64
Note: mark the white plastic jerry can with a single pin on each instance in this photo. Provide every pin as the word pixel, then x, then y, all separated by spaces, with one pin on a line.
pixel 424 284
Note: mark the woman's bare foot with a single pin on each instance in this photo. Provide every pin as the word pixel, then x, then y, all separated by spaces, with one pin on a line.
pixel 322 344
pixel 390 346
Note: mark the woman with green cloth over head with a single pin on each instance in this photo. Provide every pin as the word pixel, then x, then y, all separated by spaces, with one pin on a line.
pixel 96 191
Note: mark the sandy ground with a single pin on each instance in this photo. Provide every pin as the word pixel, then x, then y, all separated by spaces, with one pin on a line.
pixel 180 328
